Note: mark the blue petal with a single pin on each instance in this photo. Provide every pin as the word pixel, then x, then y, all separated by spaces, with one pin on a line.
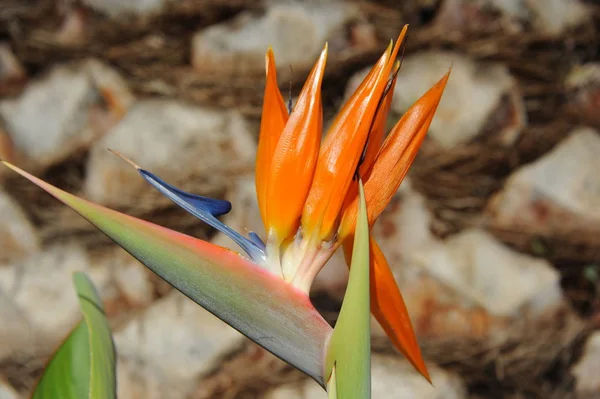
pixel 256 240
pixel 206 209
pixel 215 207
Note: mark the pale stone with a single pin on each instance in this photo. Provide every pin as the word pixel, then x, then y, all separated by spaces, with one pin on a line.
pixel 102 273
pixel 33 291
pixel 515 8
pixel 404 224
pixel 65 111
pixel 482 270
pixel 119 8
pixel 364 35
pixel 169 347
pixel 468 285
pixel 550 17
pixel 306 389
pixel 133 280
pixel 49 114
pixel 72 31
pixel 7 391
pixel 394 378
pixel 555 16
pixel 557 191
pixel 131 383
pixel 297 31
pixel 471 285
pixel 16 333
pixel 474 96
pixel 457 16
pixel 583 74
pixel 123 283
pixel 583 93
pixel 173 140
pixel 586 369
pixel 391 378
pixel 245 215
pixel 112 87
pixel 10 67
pixel 18 238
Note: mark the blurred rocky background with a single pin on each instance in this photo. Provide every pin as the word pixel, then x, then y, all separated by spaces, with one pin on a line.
pixel 494 237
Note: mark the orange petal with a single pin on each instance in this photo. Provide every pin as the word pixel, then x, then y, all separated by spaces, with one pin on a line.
pixel 395 157
pixel 342 149
pixel 378 129
pixel 388 307
pixel 375 139
pixel 274 117
pixel 293 163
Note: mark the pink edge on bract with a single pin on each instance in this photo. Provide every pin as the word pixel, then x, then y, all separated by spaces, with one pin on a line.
pixel 255 302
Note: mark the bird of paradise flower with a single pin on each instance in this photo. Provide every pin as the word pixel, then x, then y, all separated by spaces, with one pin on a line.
pixel 308 196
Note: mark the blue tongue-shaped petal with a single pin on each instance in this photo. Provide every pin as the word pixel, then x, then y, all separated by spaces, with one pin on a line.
pixel 205 209
pixel 255 238
pixel 215 207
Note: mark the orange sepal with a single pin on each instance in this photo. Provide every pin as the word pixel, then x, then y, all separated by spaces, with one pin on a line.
pixel 388 307
pixel 395 157
pixel 273 120
pixel 294 159
pixel 343 147
pixel 378 130
pixel 375 140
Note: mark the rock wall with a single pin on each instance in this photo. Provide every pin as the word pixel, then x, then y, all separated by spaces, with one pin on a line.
pixel 493 237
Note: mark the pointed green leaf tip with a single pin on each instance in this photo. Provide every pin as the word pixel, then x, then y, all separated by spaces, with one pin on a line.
pixel 349 352
pixel 84 365
pixel 257 303
pixel 332 385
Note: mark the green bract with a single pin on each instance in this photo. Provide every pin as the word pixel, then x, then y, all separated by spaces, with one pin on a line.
pixel 349 352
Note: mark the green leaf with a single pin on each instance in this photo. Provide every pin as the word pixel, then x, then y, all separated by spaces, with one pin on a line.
pixel 259 304
pixel 349 352
pixel 84 365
